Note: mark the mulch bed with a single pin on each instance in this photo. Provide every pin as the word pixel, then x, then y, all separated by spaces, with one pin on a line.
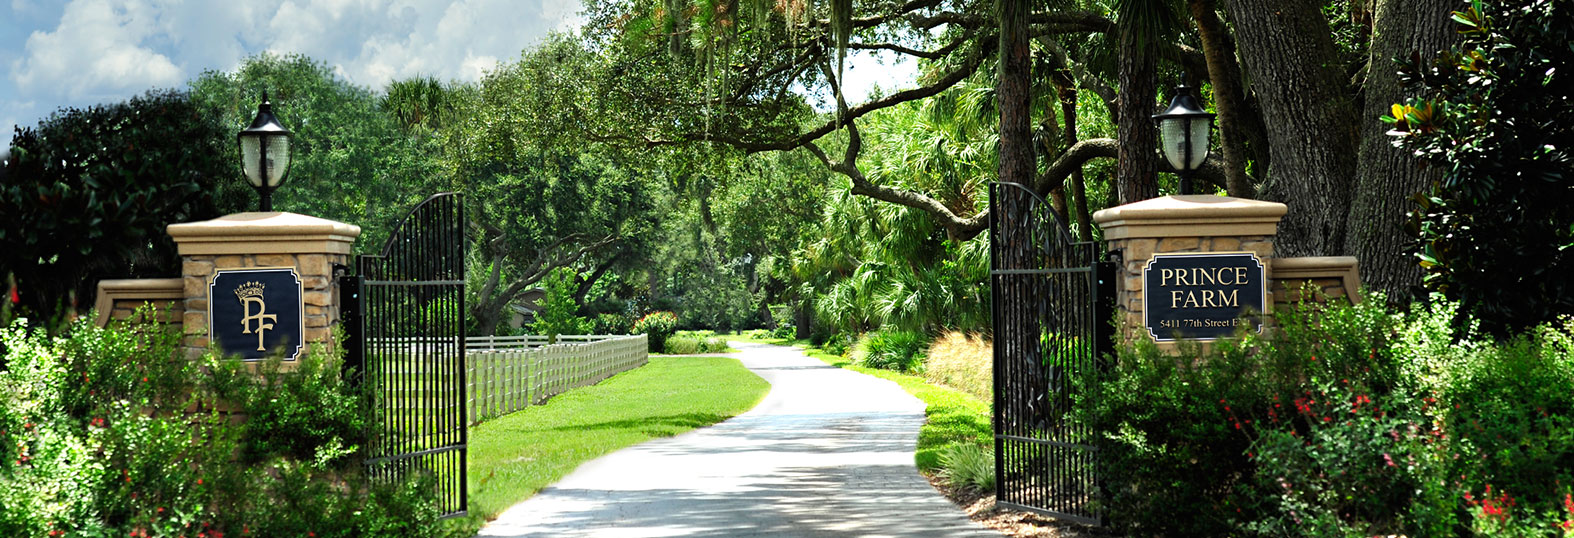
pixel 980 507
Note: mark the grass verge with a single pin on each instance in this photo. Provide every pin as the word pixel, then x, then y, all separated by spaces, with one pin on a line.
pixel 954 416
pixel 515 456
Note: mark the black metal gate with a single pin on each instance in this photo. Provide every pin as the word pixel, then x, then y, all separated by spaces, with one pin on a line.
pixel 404 318
pixel 1053 303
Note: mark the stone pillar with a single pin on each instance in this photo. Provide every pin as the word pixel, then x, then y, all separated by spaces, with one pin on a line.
pixel 1185 223
pixel 309 244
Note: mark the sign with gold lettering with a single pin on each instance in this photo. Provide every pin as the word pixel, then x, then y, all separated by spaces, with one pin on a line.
pixel 1202 296
pixel 256 312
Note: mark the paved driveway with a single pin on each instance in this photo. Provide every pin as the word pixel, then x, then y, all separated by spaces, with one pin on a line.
pixel 829 452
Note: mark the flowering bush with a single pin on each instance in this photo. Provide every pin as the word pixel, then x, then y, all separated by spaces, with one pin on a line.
pixel 1347 420
pixel 111 432
pixel 657 326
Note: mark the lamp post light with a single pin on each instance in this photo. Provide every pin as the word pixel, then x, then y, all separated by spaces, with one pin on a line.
pixel 264 152
pixel 1183 135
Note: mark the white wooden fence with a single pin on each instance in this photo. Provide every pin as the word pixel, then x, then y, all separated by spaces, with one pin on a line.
pixel 509 373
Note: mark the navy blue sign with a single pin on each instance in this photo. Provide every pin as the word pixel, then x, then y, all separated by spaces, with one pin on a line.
pixel 257 312
pixel 1202 296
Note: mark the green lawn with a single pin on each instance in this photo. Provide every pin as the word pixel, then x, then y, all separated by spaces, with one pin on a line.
pixel 515 456
pixel 954 416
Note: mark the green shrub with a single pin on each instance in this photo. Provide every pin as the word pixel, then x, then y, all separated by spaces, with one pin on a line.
pixel 839 344
pixel 1350 420
pixel 685 344
pixel 305 414
pixel 608 323
pixel 557 313
pixel 1512 415
pixel 902 351
pixel 118 434
pixel 968 465
pixel 1173 464
pixel 657 326
pixel 88 193
pixel 788 332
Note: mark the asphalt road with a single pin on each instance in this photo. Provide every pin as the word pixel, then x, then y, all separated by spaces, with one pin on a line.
pixel 829 452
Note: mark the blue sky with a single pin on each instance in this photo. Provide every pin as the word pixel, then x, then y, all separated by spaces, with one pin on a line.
pixel 83 52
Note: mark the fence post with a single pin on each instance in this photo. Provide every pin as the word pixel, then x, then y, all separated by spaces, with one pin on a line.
pixel 470 386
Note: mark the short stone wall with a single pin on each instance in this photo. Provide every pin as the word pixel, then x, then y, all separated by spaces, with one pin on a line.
pixel 1315 279
pixel 119 299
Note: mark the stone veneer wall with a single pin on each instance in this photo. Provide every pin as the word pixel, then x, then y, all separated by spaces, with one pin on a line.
pixel 1203 223
pixel 309 244
pixel 1186 223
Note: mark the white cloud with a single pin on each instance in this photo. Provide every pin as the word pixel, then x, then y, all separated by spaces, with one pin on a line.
pixel 93 51
pixel 374 42
pixel 96 51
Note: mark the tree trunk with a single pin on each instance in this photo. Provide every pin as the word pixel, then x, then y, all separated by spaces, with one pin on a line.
pixel 1057 201
pixel 1013 97
pixel 1136 174
pixel 1013 92
pixel 1225 75
pixel 1289 54
pixel 1387 177
pixel 601 270
pixel 1078 189
pixel 487 315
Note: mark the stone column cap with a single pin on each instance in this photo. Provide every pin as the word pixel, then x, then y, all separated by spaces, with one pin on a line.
pixel 272 232
pixel 1191 215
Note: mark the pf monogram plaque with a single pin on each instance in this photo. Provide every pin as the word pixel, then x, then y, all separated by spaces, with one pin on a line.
pixel 255 312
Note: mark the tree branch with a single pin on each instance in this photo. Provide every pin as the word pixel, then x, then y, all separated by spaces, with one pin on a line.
pixel 1084 78
pixel 974 60
pixel 1073 159
pixel 928 54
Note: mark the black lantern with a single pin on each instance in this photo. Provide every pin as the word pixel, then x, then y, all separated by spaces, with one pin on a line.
pixel 265 152
pixel 1183 135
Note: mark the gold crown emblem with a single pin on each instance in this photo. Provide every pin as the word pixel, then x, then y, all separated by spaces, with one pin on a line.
pixel 249 289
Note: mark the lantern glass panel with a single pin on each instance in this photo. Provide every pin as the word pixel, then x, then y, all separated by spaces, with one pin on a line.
pixel 1199 142
pixel 250 159
pixel 278 159
pixel 1172 137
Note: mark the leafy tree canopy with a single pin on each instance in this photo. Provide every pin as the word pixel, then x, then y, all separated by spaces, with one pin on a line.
pixel 1497 115
pixel 88 192
pixel 351 161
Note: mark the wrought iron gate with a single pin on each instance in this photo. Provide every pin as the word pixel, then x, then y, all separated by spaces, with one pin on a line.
pixel 1053 303
pixel 404 317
